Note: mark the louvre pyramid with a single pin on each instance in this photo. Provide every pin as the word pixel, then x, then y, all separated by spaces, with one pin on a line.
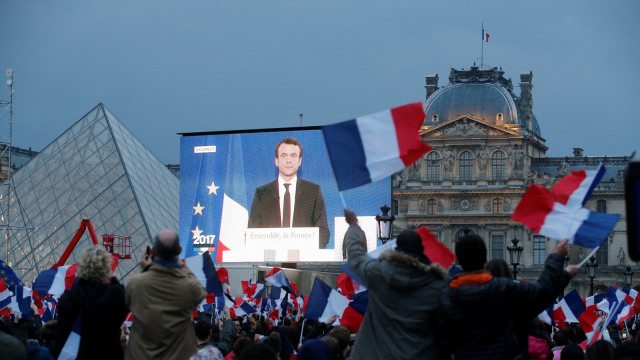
pixel 96 170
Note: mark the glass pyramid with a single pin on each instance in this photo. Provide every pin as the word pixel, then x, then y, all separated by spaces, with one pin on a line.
pixel 96 170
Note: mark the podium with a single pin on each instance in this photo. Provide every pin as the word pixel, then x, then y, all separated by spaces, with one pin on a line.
pixel 298 244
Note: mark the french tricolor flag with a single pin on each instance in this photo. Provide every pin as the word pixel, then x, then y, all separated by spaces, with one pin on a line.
pixel 55 281
pixel 202 267
pixel 325 302
pixel 375 146
pixel 558 213
pixel 569 308
pixel 277 277
pixel 5 295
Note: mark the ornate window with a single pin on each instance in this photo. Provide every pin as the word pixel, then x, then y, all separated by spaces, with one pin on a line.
pixel 601 206
pixel 497 206
pixel 499 118
pixel 602 255
pixel 497 246
pixel 431 206
pixel 466 166
pixel 498 165
pixel 433 166
pixel 434 118
pixel 539 249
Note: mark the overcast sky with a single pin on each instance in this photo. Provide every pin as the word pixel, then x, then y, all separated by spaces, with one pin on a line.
pixel 166 67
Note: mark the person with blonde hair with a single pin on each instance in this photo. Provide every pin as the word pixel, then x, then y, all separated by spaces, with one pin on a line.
pixel 98 298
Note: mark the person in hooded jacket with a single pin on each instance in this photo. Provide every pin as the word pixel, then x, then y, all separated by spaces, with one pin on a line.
pixel 404 294
pixel 478 312
pixel 98 298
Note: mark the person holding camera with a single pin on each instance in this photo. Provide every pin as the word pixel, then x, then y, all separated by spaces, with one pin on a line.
pixel 162 299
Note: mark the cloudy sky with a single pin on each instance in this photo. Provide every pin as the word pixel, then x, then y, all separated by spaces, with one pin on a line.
pixel 165 67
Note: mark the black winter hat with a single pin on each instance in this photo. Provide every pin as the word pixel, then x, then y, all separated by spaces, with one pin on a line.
pixel 410 242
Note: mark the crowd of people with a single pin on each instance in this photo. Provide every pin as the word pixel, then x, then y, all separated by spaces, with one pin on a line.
pixel 415 311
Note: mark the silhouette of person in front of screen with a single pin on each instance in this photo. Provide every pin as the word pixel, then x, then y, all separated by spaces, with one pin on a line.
pixel 289 201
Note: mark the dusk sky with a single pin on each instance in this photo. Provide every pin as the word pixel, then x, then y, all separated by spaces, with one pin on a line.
pixel 166 67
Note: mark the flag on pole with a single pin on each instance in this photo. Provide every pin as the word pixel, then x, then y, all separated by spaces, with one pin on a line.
pixel 436 251
pixel 277 277
pixel 375 146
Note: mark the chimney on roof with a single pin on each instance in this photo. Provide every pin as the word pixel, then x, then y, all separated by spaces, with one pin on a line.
pixel 432 84
pixel 526 100
pixel 578 152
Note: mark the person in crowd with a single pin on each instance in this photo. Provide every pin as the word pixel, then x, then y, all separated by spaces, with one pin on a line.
pixel 315 349
pixel 239 345
pixel 487 307
pixel 572 352
pixel 259 351
pixel 97 300
pixel 163 298
pixel 628 350
pixel 560 340
pixel 206 350
pixel 600 350
pixel 538 342
pixel 404 294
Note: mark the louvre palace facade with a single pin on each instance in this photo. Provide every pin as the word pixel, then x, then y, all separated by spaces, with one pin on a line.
pixel 487 149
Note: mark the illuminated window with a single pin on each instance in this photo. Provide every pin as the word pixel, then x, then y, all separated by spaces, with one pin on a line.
pixel 498 165
pixel 431 206
pixel 499 118
pixel 539 249
pixel 433 166
pixel 466 166
pixel 497 206
pixel 497 246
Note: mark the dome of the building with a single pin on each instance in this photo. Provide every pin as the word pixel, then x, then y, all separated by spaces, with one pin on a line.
pixel 483 94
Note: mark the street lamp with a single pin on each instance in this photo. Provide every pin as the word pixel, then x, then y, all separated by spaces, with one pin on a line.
pixel 628 276
pixel 515 251
pixel 591 272
pixel 385 231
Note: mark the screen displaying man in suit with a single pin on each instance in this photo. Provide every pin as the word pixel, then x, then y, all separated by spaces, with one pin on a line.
pixel 289 201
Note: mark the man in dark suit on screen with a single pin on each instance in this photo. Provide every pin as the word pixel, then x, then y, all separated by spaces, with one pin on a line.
pixel 289 201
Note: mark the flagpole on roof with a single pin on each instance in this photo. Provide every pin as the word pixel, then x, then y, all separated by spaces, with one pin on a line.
pixel 482 48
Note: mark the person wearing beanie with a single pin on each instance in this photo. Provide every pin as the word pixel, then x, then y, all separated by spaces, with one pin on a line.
pixel 404 294
pixel 478 311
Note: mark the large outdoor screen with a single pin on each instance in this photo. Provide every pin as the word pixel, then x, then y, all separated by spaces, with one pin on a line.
pixel 232 205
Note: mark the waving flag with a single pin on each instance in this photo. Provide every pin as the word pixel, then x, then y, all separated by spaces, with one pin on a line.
pixel 546 315
pixel 591 302
pixel 5 294
pixel 569 308
pixel 558 213
pixel 348 286
pixel 10 277
pixel 575 189
pixel 590 322
pixel 325 302
pixel 49 311
pixel 277 277
pixel 55 281
pixel 360 138
pixel 436 251
pixel 204 270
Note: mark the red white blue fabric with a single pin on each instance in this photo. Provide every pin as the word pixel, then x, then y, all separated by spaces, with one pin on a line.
pixel 375 146
pixel 558 213
pixel 55 281
pixel 325 302
pixel 277 277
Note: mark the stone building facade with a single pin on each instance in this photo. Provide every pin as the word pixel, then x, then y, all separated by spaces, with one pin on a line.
pixel 487 149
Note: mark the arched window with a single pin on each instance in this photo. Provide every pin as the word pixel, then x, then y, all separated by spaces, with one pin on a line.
pixel 466 166
pixel 497 206
pixel 431 206
pixel 434 118
pixel 433 166
pixel 499 118
pixel 463 232
pixel 498 165
pixel 602 255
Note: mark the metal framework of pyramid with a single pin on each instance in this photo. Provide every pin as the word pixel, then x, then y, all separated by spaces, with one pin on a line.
pixel 96 170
